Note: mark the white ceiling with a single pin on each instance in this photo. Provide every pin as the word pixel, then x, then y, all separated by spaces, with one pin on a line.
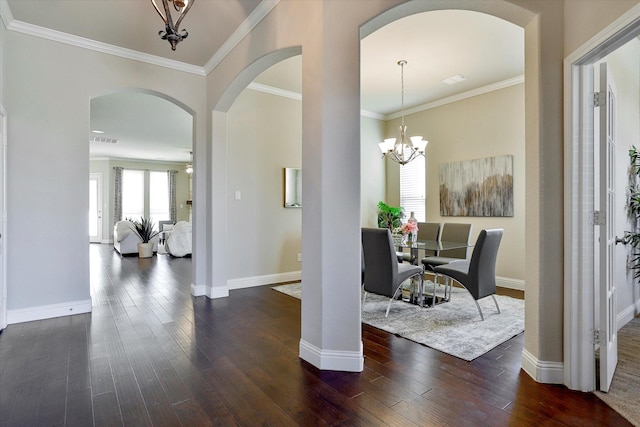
pixel 436 45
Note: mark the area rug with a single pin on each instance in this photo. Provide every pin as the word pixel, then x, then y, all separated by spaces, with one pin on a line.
pixel 453 327
pixel 623 394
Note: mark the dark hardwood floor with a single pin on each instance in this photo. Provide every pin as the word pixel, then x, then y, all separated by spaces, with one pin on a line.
pixel 151 354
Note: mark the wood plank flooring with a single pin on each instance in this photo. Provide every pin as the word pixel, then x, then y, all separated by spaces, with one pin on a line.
pixel 150 354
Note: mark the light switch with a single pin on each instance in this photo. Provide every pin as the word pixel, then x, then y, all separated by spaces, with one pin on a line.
pixel 238 195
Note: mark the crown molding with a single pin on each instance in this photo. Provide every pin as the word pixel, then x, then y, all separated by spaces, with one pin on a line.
pixel 373 115
pixel 5 13
pixel 275 91
pixel 60 37
pixel 459 97
pixel 259 87
pixel 258 14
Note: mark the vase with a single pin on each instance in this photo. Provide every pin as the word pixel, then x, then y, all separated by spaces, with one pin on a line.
pixel 145 250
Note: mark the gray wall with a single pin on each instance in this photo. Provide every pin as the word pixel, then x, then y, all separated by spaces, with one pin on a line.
pixel 264 137
pixel 48 88
pixel 373 170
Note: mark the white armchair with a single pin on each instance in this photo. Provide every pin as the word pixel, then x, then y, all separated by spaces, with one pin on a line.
pixel 178 240
pixel 125 240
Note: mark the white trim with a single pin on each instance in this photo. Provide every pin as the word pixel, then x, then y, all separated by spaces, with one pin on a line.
pixel 259 87
pixel 268 279
pixel 578 194
pixel 48 311
pixel 627 314
pixel 214 292
pixel 542 372
pixel 3 221
pixel 372 115
pixel 459 97
pixel 438 103
pixel 258 14
pixel 81 42
pixel 509 283
pixel 198 290
pixel 332 360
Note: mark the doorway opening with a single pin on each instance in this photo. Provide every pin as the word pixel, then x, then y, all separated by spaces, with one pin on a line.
pixel 583 323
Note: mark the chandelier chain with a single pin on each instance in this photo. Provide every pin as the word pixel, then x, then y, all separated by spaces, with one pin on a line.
pixel 402 63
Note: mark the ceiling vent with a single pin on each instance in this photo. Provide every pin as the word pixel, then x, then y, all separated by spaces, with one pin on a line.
pixel 455 79
pixel 102 139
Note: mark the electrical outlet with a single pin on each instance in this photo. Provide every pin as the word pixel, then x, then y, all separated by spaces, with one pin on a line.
pixel 299 257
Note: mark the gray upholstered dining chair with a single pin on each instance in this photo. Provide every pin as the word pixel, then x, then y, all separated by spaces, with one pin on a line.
pixel 450 232
pixel 383 274
pixel 478 275
pixel 426 231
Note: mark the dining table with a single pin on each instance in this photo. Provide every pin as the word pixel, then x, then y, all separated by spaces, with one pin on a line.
pixel 434 246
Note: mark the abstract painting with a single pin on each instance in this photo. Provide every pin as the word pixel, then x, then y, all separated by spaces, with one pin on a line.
pixel 480 187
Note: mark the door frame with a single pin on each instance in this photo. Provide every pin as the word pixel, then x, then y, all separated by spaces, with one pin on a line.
pixel 98 177
pixel 579 233
pixel 3 220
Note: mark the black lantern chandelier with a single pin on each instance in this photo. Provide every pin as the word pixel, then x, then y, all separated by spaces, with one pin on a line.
pixel 171 31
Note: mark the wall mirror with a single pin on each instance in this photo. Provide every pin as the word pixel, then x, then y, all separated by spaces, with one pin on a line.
pixel 292 187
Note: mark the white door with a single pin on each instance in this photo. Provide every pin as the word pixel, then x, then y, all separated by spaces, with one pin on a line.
pixel 3 219
pixel 608 333
pixel 95 208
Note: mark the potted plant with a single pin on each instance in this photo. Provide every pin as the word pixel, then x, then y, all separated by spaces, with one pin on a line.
pixel 633 237
pixel 144 230
pixel 389 216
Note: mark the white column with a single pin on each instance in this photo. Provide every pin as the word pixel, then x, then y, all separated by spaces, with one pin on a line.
pixel 331 328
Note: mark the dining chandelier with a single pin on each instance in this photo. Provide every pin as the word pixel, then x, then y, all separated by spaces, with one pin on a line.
pixel 171 31
pixel 403 149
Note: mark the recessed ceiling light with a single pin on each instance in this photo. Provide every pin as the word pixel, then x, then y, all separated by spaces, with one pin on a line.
pixel 455 79
pixel 97 131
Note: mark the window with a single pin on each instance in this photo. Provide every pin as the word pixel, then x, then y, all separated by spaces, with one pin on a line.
pixel 132 194
pixel 159 196
pixel 145 193
pixel 413 188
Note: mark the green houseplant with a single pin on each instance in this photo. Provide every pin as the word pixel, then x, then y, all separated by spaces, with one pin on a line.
pixel 144 230
pixel 389 216
pixel 633 210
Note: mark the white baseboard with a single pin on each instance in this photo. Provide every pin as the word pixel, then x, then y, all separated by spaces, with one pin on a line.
pixel 627 314
pixel 48 311
pixel 332 360
pixel 509 283
pixel 198 290
pixel 244 282
pixel 542 372
pixel 214 292
pixel 268 279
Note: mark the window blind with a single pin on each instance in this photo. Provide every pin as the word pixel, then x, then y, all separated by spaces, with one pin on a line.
pixel 413 189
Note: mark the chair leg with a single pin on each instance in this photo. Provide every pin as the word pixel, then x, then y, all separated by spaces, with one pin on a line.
pixel 479 309
pixel 496 302
pixel 395 294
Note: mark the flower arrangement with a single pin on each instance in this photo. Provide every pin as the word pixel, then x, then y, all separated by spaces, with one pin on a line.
pixel 408 228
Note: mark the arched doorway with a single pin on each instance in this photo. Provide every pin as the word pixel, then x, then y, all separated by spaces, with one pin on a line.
pixel 152 134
